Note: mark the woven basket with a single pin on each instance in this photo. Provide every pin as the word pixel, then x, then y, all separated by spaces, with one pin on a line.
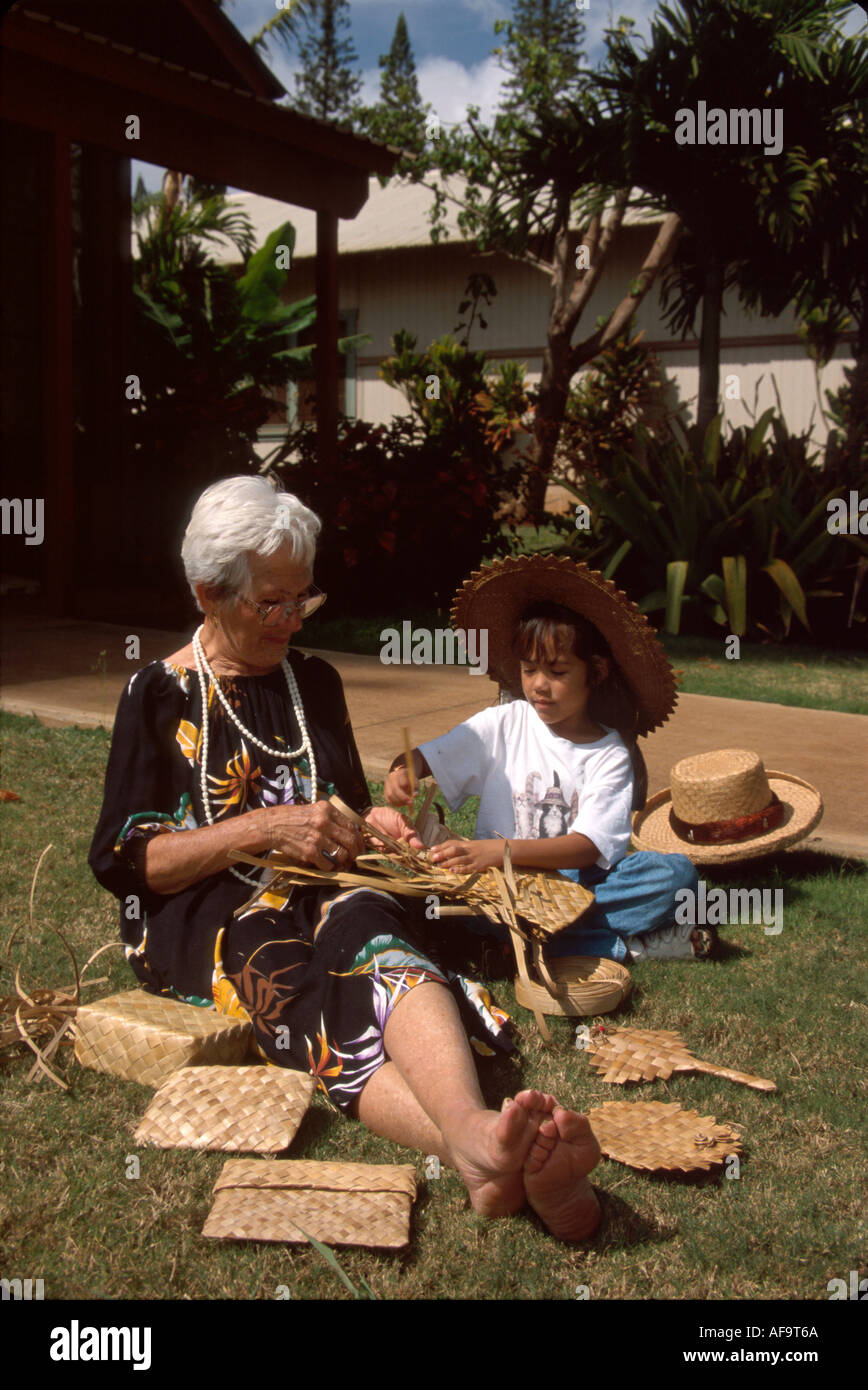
pixel 234 1109
pixel 545 902
pixel 337 1203
pixel 145 1037
pixel 578 986
pixel 534 906
pixel 651 1136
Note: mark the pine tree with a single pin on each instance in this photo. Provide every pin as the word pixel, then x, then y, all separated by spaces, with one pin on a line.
pixel 543 53
pixel 399 88
pixel 327 86
pixel 398 118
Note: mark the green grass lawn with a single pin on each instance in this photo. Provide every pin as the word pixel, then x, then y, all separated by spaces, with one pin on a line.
pixel 792 1007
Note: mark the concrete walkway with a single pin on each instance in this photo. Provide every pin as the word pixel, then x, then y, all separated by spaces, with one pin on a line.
pixel 71 672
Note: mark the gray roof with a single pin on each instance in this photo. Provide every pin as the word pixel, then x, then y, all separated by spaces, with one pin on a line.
pixel 395 216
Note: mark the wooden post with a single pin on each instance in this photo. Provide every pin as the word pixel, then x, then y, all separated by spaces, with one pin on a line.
pixel 327 340
pixel 58 409
pixel 105 478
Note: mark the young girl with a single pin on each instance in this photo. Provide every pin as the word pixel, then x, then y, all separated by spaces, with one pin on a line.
pixel 559 772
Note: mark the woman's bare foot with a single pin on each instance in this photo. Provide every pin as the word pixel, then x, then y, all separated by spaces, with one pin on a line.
pixel 559 1159
pixel 491 1153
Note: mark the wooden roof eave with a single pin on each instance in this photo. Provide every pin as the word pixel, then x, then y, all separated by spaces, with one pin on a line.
pixel 86 87
pixel 235 49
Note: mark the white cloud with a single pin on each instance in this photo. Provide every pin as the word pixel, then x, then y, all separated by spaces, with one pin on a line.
pixel 603 14
pixel 451 87
pixel 370 86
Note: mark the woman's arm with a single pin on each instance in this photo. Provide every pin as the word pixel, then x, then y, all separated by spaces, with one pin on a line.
pixel 562 852
pixel 172 862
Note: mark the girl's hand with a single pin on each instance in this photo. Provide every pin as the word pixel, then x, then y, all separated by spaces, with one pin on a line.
pixel 468 856
pixel 394 824
pixel 396 790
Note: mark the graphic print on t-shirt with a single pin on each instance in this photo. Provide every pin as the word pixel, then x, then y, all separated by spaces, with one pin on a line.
pixel 545 817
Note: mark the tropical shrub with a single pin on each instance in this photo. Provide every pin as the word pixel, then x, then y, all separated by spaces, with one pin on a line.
pixel 730 533
pixel 848 413
pixel 404 519
pixel 211 345
pixel 626 388
pixel 462 407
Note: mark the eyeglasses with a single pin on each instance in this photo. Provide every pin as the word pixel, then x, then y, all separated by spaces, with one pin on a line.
pixel 271 614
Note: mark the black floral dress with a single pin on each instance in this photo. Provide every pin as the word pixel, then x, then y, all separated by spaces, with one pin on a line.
pixel 317 970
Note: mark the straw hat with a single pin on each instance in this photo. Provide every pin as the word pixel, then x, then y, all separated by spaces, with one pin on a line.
pixel 495 598
pixel 724 806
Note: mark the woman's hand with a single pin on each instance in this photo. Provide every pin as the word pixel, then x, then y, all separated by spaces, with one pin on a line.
pixel 468 856
pixel 303 833
pixel 173 862
pixel 394 824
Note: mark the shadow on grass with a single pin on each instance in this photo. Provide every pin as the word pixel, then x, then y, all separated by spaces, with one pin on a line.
pixel 620 1228
pixel 776 870
pixel 318 1125
pixel 623 1227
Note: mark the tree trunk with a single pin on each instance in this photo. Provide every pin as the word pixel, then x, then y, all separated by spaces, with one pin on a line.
pixel 551 407
pixel 173 183
pixel 857 424
pixel 709 344
pixel 560 360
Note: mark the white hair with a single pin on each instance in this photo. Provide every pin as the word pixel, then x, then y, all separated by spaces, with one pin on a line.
pixel 241 515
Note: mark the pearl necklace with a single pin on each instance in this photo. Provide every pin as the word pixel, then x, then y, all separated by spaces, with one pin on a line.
pixel 291 755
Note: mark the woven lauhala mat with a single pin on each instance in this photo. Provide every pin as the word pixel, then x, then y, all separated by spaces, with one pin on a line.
pixel 236 1109
pixel 144 1037
pixel 337 1203
pixel 652 1135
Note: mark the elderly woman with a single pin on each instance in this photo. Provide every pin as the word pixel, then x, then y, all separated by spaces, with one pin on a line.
pixel 235 742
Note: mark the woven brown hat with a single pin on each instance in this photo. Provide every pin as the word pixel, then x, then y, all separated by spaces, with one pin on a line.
pixel 495 597
pixel 724 806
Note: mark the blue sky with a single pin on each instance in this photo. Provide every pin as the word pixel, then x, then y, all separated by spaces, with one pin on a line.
pixel 451 40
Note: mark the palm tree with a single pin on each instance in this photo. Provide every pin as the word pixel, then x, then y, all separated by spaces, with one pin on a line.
pixel 741 206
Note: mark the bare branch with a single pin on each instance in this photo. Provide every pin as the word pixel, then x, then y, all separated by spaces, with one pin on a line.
pixel 656 260
pixel 486 144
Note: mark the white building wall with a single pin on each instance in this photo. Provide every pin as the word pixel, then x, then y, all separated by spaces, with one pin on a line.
pixel 419 288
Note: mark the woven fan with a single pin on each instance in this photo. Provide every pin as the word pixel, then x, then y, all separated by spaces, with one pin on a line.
pixel 643 1054
pixel 651 1135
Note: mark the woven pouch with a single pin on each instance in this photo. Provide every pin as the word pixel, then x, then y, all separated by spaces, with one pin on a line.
pixel 337 1203
pixel 236 1109
pixel 145 1037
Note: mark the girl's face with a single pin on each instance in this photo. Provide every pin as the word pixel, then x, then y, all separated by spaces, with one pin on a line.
pixel 559 691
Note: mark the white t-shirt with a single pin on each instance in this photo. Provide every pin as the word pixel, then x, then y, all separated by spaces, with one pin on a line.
pixel 533 784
